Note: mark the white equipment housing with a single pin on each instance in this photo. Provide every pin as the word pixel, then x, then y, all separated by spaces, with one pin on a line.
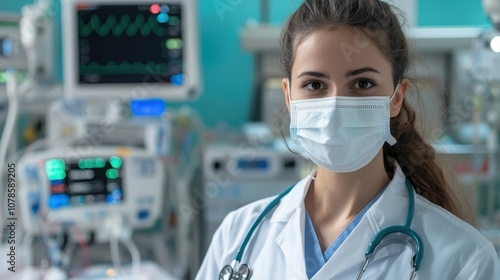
pixel 67 122
pixel 237 175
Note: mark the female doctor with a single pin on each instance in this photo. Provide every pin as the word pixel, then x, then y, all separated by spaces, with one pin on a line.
pixel 345 62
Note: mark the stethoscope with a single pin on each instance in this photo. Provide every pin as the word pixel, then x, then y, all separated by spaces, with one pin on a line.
pixel 235 271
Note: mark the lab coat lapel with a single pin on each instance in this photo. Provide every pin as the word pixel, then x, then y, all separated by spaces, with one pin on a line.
pixel 291 239
pixel 389 210
pixel 291 243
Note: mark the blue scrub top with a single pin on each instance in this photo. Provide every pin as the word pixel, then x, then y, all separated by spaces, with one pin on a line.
pixel 314 258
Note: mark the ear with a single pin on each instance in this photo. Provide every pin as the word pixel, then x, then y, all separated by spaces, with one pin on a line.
pixel 286 91
pixel 399 97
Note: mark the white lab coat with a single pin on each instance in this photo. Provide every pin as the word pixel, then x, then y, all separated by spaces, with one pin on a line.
pixel 453 248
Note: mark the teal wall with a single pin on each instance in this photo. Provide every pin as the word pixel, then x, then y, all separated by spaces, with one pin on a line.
pixel 227 69
pixel 451 12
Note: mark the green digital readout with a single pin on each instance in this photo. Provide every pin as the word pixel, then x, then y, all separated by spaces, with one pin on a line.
pixel 55 169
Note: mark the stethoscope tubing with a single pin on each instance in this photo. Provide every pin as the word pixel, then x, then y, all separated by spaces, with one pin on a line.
pixel 269 207
pixel 404 229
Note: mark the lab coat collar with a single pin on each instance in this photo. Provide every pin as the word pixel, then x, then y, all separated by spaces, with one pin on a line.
pixel 387 211
pixel 291 202
pixel 291 238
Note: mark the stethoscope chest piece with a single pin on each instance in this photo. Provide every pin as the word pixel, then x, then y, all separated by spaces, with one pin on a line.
pixel 228 273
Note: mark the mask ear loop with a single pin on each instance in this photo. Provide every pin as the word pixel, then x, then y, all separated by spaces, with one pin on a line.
pixel 394 93
pixel 390 139
pixel 289 93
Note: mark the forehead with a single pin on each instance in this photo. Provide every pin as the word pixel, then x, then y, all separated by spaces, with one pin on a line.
pixel 338 50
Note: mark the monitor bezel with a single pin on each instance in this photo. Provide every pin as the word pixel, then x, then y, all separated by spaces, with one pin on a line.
pixel 188 91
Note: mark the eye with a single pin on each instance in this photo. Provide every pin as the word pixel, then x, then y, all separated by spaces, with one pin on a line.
pixel 313 85
pixel 363 84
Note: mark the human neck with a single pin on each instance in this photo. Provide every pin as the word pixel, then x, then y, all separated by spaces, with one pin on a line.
pixel 334 199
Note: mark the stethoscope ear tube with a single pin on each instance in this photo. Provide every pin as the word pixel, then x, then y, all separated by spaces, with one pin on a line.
pixel 419 244
pixel 406 229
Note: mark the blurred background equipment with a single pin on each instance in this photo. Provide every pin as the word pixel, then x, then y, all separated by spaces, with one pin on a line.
pixel 68 199
pixel 236 174
pixel 107 163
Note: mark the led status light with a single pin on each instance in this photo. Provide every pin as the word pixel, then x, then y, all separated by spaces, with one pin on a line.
pixel 162 18
pixel 112 173
pixel 116 162
pixel 177 79
pixel 495 44
pixel 174 44
pixel 174 21
pixel 58 200
pixel 155 9
pixel 164 9
pixel 55 169
pixel 7 47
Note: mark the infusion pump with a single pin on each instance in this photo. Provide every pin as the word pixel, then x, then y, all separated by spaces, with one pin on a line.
pixel 85 186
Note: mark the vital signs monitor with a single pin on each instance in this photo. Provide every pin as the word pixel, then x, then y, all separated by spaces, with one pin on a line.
pixel 130 49
pixel 87 186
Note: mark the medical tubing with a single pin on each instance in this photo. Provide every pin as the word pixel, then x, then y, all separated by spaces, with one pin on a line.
pixel 411 204
pixel 27 242
pixel 115 254
pixel 34 146
pixel 136 257
pixel 269 207
pixel 52 249
pixel 7 134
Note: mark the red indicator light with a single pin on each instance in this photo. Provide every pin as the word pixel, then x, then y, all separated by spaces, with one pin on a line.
pixel 82 6
pixel 61 188
pixel 154 9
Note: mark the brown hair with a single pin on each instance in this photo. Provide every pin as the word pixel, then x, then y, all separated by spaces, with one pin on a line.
pixel 378 21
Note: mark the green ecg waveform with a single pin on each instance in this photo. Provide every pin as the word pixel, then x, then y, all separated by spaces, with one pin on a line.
pixel 123 68
pixel 124 26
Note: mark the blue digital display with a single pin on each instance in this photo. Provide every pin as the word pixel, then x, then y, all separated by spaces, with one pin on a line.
pixel 177 79
pixel 7 47
pixel 253 164
pixel 58 200
pixel 148 107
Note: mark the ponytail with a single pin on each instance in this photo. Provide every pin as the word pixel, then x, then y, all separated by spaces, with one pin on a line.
pixel 417 159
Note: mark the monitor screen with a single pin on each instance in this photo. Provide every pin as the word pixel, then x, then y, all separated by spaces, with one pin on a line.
pixel 130 49
pixel 129 44
pixel 83 182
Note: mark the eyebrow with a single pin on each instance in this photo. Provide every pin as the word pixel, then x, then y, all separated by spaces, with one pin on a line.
pixel 314 74
pixel 347 74
pixel 360 71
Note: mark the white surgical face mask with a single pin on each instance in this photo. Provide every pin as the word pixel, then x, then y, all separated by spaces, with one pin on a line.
pixel 341 134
